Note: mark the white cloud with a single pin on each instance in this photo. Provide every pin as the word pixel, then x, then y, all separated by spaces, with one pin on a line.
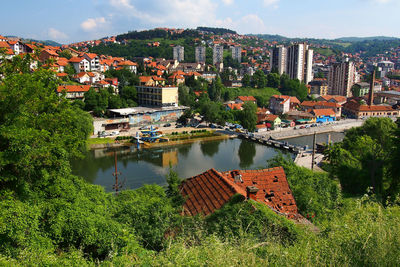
pixel 227 2
pixel 56 34
pixel 93 24
pixel 271 3
pixel 121 3
pixel 174 13
pixel 381 1
pixel 250 23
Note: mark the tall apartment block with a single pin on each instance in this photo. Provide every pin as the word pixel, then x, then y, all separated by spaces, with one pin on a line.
pixel 278 59
pixel 237 53
pixel 179 53
pixel 299 62
pixel 218 54
pixel 341 78
pixel 200 54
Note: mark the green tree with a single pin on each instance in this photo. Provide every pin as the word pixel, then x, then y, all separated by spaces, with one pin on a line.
pixel 273 80
pixel 259 79
pixel 248 116
pixel 246 81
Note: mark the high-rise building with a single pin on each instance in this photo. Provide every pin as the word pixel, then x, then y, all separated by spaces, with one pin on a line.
pixel 179 53
pixel 278 59
pixel 341 78
pixel 218 54
pixel 237 53
pixel 299 62
pixel 200 54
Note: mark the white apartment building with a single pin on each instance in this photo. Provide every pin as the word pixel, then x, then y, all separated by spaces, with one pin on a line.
pixel 299 62
pixel 237 53
pixel 218 54
pixel 279 58
pixel 179 53
pixel 341 78
pixel 200 54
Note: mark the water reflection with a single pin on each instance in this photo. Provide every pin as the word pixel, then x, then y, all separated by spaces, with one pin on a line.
pixel 210 148
pixel 246 152
pixel 148 166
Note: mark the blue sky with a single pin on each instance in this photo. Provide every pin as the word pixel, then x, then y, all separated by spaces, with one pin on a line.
pixel 77 20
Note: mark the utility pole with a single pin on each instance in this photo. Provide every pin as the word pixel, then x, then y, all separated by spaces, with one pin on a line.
pixel 313 151
pixel 116 173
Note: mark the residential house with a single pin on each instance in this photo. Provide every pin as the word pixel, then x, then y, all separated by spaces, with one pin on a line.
pixel 73 91
pixel 94 61
pixel 324 115
pixel 80 64
pixel 244 99
pixel 82 77
pixel 333 98
pixel 47 54
pixel 318 86
pixel 146 81
pixel 337 108
pixel 17 47
pixel 131 66
pixel 209 191
pixel 233 106
pixel 281 104
pixel 272 121
pixel 356 108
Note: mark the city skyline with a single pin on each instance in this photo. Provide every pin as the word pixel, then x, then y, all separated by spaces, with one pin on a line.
pixel 71 20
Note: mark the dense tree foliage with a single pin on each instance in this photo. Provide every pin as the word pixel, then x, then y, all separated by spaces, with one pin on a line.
pixel 365 158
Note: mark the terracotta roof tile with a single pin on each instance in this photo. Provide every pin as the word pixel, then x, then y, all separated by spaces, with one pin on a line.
pixel 210 190
pixel 73 88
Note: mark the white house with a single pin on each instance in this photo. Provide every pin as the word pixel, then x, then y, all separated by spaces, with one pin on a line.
pixel 94 61
pixel 80 64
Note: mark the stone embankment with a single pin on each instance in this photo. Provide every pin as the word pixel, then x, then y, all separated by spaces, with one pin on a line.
pixel 285 133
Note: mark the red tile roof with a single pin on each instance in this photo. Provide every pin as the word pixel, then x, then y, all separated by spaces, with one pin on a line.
pixel 233 106
pixel 210 190
pixel 355 106
pixel 285 98
pixel 75 59
pixel 323 112
pixel 320 103
pixel 73 88
pixel 337 98
pixel 91 55
pixel 246 98
pixel 207 192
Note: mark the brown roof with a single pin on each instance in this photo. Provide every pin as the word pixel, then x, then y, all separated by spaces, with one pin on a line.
pixel 270 117
pixel 354 105
pixel 73 88
pixel 4 44
pixel 320 103
pixel 210 190
pixel 337 98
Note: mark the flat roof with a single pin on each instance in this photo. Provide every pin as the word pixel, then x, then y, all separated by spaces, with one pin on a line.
pixel 142 110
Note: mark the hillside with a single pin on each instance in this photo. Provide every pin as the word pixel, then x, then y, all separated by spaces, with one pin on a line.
pixel 361 39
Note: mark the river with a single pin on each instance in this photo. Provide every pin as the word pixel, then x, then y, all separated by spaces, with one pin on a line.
pixel 150 166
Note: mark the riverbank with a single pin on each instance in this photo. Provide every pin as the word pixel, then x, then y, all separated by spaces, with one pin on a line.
pixel 112 143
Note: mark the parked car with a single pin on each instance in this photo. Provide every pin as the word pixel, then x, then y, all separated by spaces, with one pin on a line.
pixel 114 133
pixel 179 126
pixel 144 128
pixel 167 125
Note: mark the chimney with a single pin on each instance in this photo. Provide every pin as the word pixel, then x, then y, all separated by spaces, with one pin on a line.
pixel 371 90
pixel 252 192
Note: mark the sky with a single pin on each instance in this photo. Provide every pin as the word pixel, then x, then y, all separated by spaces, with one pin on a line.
pixel 67 21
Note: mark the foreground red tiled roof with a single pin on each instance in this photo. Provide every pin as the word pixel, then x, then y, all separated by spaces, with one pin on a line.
pixel 246 98
pixel 73 88
pixel 207 192
pixel 210 190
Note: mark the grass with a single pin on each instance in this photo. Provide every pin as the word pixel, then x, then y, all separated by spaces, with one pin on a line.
pixel 266 92
pixel 98 141
pixel 324 51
